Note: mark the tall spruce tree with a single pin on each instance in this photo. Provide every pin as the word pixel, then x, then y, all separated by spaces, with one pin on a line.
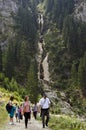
pixel 32 84
pixel 82 74
pixel 0 59
pixel 74 75
pixel 24 61
pixel 10 59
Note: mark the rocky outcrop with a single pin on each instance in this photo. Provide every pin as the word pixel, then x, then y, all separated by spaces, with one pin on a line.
pixel 80 10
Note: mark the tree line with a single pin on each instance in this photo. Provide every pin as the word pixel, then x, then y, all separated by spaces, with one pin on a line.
pixel 18 61
pixel 66 43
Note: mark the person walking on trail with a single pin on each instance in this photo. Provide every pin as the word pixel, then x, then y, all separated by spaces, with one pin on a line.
pixel 35 110
pixel 16 113
pixel 45 104
pixel 20 112
pixel 11 111
pixel 26 110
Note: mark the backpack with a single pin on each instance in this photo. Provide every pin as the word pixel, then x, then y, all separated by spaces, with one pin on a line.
pixel 8 107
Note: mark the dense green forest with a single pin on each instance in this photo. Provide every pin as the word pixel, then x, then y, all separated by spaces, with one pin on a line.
pixel 65 38
pixel 66 42
pixel 18 62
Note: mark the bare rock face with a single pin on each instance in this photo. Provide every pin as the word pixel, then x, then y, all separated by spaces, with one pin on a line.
pixel 80 10
pixel 6 8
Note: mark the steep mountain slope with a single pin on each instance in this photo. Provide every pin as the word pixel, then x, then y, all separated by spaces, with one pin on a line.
pixel 65 43
pixel 64 49
pixel 6 21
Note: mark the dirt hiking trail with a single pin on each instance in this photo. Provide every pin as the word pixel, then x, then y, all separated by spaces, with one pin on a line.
pixel 32 125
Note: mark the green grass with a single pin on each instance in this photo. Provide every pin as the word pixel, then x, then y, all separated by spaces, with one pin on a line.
pixel 66 123
pixel 4 98
pixel 3 116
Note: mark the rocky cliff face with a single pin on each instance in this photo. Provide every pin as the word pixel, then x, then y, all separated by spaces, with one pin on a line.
pixel 80 10
pixel 6 21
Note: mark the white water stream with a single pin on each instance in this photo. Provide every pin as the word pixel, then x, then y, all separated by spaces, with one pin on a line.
pixel 43 66
pixel 46 68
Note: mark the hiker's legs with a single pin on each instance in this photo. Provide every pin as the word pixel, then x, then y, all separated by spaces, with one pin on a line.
pixel 47 119
pixel 29 115
pixel 35 113
pixel 43 118
pixel 11 119
pixel 12 114
pixel 47 116
pixel 16 115
pixel 26 119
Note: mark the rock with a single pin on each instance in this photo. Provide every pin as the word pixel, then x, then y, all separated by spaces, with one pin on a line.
pixel 80 10
pixel 65 108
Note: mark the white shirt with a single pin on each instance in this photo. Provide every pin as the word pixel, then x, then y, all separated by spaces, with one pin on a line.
pixel 44 103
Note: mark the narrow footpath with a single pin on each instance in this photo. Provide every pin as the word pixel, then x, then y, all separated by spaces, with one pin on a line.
pixel 32 125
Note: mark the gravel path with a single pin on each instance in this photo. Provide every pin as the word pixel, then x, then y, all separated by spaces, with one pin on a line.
pixel 32 125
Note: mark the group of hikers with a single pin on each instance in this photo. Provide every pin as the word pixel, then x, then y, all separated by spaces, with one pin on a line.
pixel 25 109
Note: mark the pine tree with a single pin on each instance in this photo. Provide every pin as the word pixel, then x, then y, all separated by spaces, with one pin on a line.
pixel 25 24
pixel 74 75
pixel 0 59
pixel 32 85
pixel 10 60
pixel 24 61
pixel 82 74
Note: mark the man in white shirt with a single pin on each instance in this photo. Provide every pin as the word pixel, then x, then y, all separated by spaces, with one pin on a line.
pixel 45 104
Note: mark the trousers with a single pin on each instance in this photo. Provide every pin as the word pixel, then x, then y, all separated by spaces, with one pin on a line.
pixel 45 113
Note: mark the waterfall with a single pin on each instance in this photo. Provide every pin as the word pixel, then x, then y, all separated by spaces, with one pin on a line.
pixel 43 66
pixel 46 68
pixel 43 61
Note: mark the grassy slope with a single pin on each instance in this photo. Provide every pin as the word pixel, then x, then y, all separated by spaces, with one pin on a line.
pixel 3 116
pixel 4 98
pixel 63 122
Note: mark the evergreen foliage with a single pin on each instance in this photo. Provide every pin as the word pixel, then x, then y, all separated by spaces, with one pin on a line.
pixel 21 48
pixel 67 46
pixel 65 41
pixel 74 76
pixel 59 9
pixel 32 83
pixel 82 74
pixel 0 59
pixel 23 45
pixel 74 36
pixel 10 61
pixel 25 24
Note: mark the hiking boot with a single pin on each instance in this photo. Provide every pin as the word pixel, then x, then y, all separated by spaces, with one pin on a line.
pixel 43 126
pixel 47 124
pixel 10 123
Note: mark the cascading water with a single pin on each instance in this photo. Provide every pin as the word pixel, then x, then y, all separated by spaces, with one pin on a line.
pixel 43 67
pixel 46 68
